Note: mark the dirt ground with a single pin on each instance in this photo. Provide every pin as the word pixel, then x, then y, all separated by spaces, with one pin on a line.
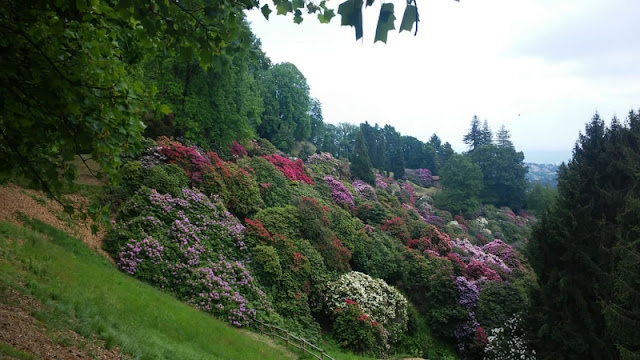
pixel 35 204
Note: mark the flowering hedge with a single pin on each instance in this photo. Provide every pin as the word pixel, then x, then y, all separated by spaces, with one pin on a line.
pixel 190 246
pixel 293 170
pixel 340 194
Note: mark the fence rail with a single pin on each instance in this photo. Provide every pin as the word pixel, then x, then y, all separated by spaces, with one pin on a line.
pixel 293 340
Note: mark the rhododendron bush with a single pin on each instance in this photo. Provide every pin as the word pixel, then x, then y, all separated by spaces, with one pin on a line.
pixel 293 170
pixel 340 194
pixel 422 177
pixel 192 247
pixel 378 301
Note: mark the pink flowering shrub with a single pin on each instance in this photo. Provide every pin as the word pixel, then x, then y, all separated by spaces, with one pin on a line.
pixel 382 181
pixel 293 170
pixel 408 195
pixel 340 194
pixel 477 253
pixel 503 251
pixel 191 246
pixel 365 191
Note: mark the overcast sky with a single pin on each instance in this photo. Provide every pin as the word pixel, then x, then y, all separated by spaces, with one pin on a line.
pixel 540 67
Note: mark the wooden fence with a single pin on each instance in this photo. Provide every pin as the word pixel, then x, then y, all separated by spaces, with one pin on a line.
pixel 292 340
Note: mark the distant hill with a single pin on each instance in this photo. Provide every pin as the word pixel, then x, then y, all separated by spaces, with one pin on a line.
pixel 546 174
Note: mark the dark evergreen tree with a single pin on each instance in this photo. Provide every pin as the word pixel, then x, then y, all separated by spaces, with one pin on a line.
pixel 474 138
pixel 503 173
pixel 585 251
pixel 317 124
pixel 435 142
pixel 487 135
pixel 360 162
pixel 393 142
pixel 445 152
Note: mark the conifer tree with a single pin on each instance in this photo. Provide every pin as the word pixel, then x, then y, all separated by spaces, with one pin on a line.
pixel 360 162
pixel 503 137
pixel 487 135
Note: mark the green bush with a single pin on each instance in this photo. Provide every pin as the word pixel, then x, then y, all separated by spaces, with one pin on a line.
pixel 281 220
pixel 498 302
pixel 166 179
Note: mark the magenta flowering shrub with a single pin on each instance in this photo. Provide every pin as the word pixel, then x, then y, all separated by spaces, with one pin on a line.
pixel 189 245
pixel 365 191
pixel 503 251
pixel 340 194
pixel 422 177
pixel 237 150
pixel 480 256
pixel 382 181
pixel 293 170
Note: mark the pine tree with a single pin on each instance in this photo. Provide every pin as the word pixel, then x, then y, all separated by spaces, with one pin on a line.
pixel 360 162
pixel 487 135
pixel 503 137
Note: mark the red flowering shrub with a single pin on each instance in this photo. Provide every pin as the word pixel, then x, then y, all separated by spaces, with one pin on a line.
pixel 440 241
pixel 293 170
pixel 357 331
pixel 187 157
pixel 477 270
pixel 336 255
pixel 459 267
pixel 396 227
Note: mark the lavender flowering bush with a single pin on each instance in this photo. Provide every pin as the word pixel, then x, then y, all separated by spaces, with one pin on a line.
pixel 422 177
pixel 189 245
pixel 365 191
pixel 340 194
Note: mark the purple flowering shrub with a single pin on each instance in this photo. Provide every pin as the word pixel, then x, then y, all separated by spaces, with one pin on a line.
pixel 340 194
pixel 189 245
pixel 422 177
pixel 365 191
pixel 503 251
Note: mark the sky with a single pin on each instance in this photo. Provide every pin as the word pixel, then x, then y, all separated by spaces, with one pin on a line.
pixel 542 68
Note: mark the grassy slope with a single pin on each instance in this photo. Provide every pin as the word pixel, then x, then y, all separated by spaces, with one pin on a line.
pixel 88 295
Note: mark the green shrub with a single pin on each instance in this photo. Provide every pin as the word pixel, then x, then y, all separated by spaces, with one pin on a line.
pixel 166 179
pixel 265 264
pixel 281 220
pixel 498 302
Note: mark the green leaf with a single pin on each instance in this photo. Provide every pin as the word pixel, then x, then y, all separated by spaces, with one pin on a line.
pixel 409 18
pixel 164 109
pixel 297 4
pixel 326 16
pixel 284 7
pixel 351 12
pixel 266 11
pixel 385 22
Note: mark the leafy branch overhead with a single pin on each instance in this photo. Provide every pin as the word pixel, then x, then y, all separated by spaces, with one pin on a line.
pixel 351 13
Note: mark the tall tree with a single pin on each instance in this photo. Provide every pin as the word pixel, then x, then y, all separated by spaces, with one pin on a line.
pixel 503 173
pixel 585 250
pixel 474 138
pixel 462 184
pixel 316 120
pixel 393 143
pixel 360 162
pixel 503 137
pixel 445 152
pixel 286 114
pixel 487 135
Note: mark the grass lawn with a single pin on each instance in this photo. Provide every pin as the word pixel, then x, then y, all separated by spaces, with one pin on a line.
pixel 83 292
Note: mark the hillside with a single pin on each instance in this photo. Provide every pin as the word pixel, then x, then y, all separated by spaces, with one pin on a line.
pixel 61 299
pixel 545 174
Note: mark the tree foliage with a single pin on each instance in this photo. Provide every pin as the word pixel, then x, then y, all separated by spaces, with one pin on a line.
pixel 585 250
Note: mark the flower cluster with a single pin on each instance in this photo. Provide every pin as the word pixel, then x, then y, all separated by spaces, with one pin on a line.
pixel 319 158
pixel 152 157
pixel 293 170
pixel 377 299
pixel 187 157
pixel 340 194
pixel 237 150
pixel 411 193
pixel 365 191
pixel 507 342
pixel 468 292
pixel 422 177
pixel 396 227
pixel 382 181
pixel 477 253
pixel 504 251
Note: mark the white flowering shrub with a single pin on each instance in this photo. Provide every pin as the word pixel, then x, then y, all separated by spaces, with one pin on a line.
pixel 506 342
pixel 380 303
